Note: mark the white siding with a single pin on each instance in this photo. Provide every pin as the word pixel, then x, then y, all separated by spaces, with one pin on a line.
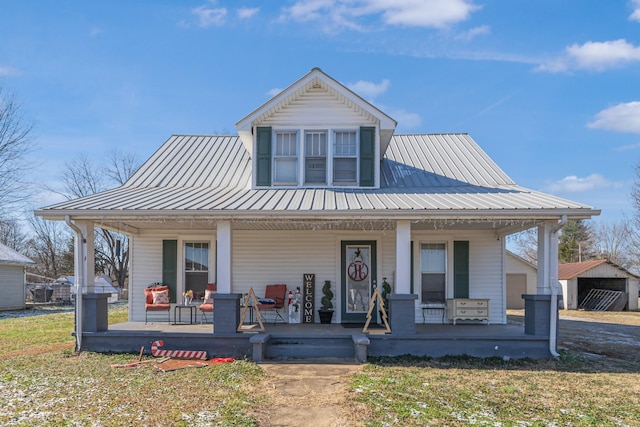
pixel 146 264
pixel 12 287
pixel 146 257
pixel 270 257
pixel 318 107
pixel 485 269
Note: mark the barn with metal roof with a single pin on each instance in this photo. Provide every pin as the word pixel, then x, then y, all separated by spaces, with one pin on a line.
pixel 581 282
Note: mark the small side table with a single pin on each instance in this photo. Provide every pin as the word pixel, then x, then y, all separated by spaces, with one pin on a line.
pixel 177 314
pixel 433 308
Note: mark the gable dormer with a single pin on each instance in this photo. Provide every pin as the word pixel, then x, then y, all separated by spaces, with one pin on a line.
pixel 316 133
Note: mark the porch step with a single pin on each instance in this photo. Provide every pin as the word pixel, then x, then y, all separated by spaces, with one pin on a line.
pixel 309 347
pixel 284 347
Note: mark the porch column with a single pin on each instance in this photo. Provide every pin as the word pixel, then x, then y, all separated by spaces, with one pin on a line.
pixel 84 265
pixel 223 257
pixel 545 258
pixel 403 257
pixel 541 314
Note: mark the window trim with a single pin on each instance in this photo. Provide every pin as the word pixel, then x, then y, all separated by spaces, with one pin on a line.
pixel 447 275
pixel 275 157
pixel 183 266
pixel 301 157
pixel 307 156
pixel 356 156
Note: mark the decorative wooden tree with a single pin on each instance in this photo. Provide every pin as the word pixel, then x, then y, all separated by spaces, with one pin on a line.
pixel 250 300
pixel 383 312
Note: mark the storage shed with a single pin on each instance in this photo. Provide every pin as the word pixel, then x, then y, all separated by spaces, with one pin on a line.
pixel 12 278
pixel 579 278
pixel 522 279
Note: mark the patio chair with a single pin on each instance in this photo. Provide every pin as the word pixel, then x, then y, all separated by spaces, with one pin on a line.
pixel 207 303
pixel 274 299
pixel 157 299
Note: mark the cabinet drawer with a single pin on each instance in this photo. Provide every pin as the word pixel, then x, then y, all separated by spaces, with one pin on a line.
pixel 472 303
pixel 471 312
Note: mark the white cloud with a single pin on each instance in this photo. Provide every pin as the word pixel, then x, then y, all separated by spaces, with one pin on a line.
pixel 246 13
pixel 307 10
pixel 629 147
pixel 596 56
pixel 573 184
pixel 635 15
pixel 425 13
pixel 623 117
pixel 208 16
pixel 369 90
pixel 404 13
pixel 273 92
pixel 474 32
pixel 95 32
pixel 8 71
pixel 406 120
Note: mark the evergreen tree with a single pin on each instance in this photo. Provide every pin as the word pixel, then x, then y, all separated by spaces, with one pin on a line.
pixel 575 242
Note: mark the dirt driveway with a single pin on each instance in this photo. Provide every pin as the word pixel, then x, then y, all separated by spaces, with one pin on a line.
pixel 610 339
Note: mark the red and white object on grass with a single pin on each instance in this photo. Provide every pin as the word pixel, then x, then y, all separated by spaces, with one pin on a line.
pixel 179 354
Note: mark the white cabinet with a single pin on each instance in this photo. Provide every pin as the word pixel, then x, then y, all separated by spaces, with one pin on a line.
pixel 468 309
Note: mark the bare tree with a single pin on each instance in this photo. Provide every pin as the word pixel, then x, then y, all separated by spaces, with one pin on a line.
pixel 525 244
pixel 83 177
pixel 617 242
pixel 15 144
pixel 51 247
pixel 12 235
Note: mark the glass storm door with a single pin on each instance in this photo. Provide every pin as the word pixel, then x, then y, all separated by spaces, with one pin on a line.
pixel 358 278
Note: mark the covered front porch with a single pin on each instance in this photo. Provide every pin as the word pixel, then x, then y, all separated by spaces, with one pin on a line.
pixel 282 341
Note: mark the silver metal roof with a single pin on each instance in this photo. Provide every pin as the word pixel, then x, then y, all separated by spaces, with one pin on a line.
pixel 9 256
pixel 420 175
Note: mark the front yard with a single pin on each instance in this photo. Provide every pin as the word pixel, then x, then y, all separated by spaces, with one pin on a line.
pixel 42 382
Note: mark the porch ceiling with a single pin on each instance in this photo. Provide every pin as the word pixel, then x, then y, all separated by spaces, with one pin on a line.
pixel 137 225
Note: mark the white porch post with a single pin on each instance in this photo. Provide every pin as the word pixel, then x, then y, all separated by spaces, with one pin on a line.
pixel 223 257
pixel 403 257
pixel 545 258
pixel 87 264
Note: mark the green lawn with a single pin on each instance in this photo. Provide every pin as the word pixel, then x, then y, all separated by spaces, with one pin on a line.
pixel 481 392
pixel 44 383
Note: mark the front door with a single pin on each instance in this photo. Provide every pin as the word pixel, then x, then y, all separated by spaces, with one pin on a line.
pixel 358 277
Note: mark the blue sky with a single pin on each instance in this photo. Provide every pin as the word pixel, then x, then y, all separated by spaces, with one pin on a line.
pixel 549 89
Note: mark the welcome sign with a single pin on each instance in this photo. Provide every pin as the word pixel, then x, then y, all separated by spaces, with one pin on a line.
pixel 308 297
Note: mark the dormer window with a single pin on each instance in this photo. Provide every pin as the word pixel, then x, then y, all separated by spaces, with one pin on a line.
pixel 345 158
pixel 315 157
pixel 285 159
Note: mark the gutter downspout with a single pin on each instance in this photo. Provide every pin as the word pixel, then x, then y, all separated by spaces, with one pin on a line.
pixel 553 284
pixel 79 279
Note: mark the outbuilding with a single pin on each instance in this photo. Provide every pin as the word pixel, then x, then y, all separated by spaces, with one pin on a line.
pixel 12 278
pixel 579 278
pixel 522 279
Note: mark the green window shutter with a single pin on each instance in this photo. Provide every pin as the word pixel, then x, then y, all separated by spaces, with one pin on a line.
pixel 367 156
pixel 411 276
pixel 461 269
pixel 170 266
pixel 263 157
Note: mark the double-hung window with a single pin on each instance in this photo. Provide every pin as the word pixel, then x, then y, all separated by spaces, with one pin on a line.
pixel 315 160
pixel 196 267
pixel 345 158
pixel 433 267
pixel 285 158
